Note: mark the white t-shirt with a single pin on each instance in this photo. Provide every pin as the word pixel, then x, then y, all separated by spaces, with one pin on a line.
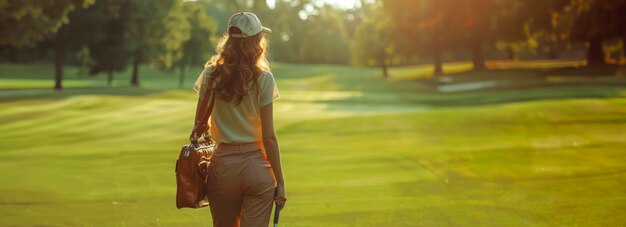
pixel 241 123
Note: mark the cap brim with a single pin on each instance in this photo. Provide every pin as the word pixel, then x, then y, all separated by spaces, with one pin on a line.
pixel 266 30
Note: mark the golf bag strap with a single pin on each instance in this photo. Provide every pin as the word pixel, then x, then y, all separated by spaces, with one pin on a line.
pixel 206 101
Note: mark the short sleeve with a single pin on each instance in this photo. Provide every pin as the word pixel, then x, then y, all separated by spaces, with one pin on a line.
pixel 198 85
pixel 268 88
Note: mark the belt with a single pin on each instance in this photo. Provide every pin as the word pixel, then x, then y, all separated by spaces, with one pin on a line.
pixel 238 147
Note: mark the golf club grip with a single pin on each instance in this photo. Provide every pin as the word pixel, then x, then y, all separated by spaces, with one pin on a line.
pixel 276 215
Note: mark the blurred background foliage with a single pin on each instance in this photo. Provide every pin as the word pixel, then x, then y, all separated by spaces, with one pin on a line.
pixel 109 36
pixel 392 112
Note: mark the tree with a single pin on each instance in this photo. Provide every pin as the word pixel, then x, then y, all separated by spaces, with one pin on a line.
pixel 509 28
pixel 597 21
pixel 197 48
pixel 31 21
pixel 150 21
pixel 547 24
pixel 373 43
pixel 306 32
pixel 289 31
pixel 110 49
pixel 79 30
pixel 477 16
pixel 166 41
pixel 425 27
pixel 83 56
pixel 327 38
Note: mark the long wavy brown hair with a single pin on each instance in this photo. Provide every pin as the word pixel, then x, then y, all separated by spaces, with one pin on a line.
pixel 237 64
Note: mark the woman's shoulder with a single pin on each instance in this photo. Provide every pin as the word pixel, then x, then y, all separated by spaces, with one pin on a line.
pixel 207 71
pixel 204 76
pixel 265 75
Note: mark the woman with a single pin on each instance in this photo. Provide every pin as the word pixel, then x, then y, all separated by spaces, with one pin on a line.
pixel 246 176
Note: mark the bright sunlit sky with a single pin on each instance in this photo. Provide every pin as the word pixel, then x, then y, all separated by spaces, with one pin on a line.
pixel 344 4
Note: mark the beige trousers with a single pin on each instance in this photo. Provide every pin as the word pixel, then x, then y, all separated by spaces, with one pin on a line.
pixel 241 186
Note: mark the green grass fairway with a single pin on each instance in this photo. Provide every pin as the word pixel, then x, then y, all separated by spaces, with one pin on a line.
pixel 357 151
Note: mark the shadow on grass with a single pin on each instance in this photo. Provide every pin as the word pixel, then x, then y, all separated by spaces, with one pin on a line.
pixel 7 95
pixel 507 85
pixel 291 71
pixel 508 78
pixel 488 87
pixel 485 97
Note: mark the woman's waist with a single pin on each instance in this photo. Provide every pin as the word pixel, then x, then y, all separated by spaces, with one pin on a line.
pixel 237 147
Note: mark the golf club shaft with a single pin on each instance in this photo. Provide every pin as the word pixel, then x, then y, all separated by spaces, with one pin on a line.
pixel 276 215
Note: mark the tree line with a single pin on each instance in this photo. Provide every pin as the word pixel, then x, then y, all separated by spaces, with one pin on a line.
pixel 396 31
pixel 107 36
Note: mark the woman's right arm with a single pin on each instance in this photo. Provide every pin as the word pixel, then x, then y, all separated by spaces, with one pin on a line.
pixel 270 142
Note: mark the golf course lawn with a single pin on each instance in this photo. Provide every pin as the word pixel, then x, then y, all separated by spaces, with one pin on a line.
pixel 357 150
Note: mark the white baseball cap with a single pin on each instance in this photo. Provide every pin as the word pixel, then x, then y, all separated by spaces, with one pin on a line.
pixel 248 23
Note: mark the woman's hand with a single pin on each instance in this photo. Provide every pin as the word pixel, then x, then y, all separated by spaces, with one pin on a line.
pixel 280 197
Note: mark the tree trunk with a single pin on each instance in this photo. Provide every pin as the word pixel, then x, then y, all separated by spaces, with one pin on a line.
pixel 438 63
pixel 552 55
pixel 134 79
pixel 181 80
pixel 595 54
pixel 478 58
pixel 382 62
pixel 476 42
pixel 622 60
pixel 58 66
pixel 510 54
pixel 385 71
pixel 110 78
